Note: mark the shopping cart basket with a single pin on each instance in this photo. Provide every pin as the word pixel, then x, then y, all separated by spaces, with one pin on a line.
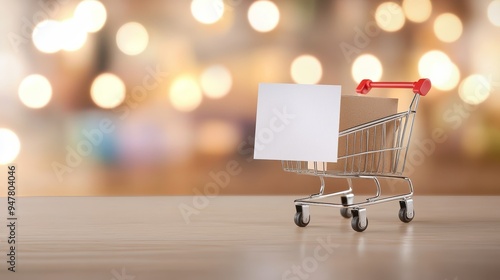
pixel 374 150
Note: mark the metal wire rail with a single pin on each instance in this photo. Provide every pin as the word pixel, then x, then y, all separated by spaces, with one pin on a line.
pixel 374 150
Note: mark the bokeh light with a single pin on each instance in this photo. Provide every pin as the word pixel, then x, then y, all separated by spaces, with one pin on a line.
pixel 263 15
pixel 207 11
pixel 417 10
pixel 73 36
pixel 390 17
pixel 35 91
pixel 216 81
pixel 218 137
pixel 107 91
pixel 448 27
pixel 132 38
pixel 47 36
pixel 185 94
pixel 366 66
pixel 438 67
pixel 306 69
pixel 91 15
pixel 474 89
pixel 453 79
pixel 9 146
pixel 494 12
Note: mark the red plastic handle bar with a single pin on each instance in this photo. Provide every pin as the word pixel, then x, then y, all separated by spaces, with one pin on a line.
pixel 421 86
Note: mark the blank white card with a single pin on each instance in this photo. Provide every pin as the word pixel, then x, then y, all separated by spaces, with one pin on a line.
pixel 297 122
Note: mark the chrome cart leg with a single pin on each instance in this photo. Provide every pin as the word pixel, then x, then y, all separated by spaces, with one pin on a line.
pixel 302 216
pixel 359 221
pixel 379 191
pixel 321 188
pixel 406 211
pixel 346 200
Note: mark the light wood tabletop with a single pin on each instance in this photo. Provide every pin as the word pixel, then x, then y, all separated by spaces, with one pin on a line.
pixel 248 237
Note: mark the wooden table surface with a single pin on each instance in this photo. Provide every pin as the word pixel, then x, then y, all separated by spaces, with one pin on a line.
pixel 252 237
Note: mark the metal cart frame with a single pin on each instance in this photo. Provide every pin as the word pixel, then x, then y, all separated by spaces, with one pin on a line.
pixel 374 150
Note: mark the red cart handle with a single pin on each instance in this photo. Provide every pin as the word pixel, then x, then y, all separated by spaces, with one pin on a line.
pixel 421 86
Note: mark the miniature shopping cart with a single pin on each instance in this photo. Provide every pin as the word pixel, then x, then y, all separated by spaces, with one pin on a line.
pixel 374 150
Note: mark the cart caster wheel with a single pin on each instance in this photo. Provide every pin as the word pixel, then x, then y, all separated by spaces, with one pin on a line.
pixel 406 205
pixel 346 200
pixel 356 225
pixel 299 221
pixel 403 216
pixel 346 213
pixel 359 220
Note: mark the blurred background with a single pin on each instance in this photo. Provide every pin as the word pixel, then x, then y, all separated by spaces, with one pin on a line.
pixel 152 97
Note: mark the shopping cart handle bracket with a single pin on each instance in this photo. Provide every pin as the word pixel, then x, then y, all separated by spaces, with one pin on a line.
pixel 364 86
pixel 421 86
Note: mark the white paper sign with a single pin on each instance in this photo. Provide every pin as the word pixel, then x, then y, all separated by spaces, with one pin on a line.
pixel 297 122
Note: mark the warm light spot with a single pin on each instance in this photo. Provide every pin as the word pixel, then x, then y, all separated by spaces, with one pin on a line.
pixel 263 15
pixel 132 38
pixel 366 66
pixel 218 137
pixel 306 69
pixel 453 78
pixel 216 81
pixel 494 12
pixel 107 91
pixel 185 94
pixel 448 27
pixel 417 10
pixel 474 89
pixel 9 146
pixel 207 11
pixel 35 91
pixel 73 36
pixel 50 36
pixel 47 36
pixel 390 17
pixel 91 15
pixel 438 67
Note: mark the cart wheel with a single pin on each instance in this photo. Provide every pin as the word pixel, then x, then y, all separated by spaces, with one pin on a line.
pixel 346 213
pixel 404 217
pixel 299 221
pixel 346 200
pixel 404 206
pixel 359 220
pixel 356 225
